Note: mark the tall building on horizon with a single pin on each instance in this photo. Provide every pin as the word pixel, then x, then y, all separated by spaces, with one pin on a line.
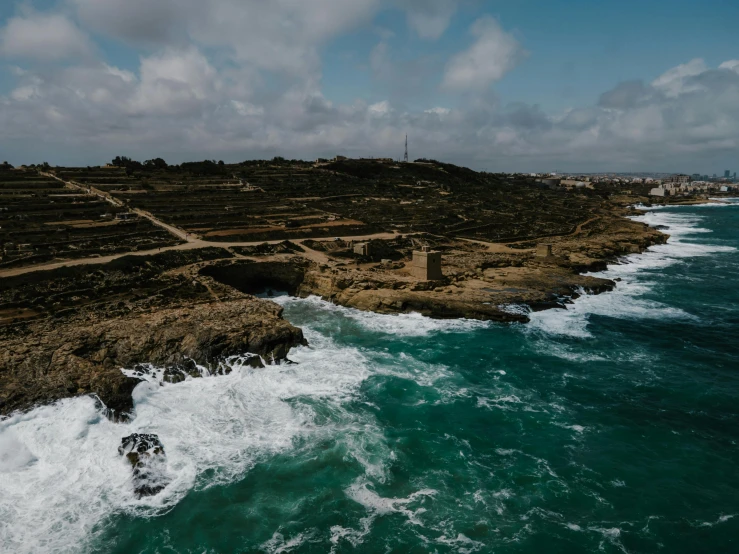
pixel 727 174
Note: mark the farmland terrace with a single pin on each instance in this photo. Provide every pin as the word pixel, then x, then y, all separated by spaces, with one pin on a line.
pixel 41 219
pixel 288 200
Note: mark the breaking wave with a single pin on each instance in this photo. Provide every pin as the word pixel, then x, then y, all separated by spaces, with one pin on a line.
pixel 61 475
pixel 637 275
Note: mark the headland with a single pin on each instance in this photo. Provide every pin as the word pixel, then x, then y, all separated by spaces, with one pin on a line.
pixel 133 264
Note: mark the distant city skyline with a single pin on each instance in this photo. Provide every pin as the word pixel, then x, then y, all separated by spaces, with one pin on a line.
pixel 518 86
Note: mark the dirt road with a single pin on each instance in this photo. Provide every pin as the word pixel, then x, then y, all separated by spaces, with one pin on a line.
pixel 193 244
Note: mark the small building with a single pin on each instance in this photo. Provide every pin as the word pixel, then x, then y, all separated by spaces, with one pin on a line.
pixel 362 249
pixel 551 183
pixel 544 251
pixel 426 265
pixel 125 216
pixel 659 191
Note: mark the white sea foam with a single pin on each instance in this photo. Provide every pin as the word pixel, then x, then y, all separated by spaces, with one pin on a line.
pixel 721 519
pixel 278 544
pixel 377 505
pixel 61 475
pixel 638 274
pixel 406 325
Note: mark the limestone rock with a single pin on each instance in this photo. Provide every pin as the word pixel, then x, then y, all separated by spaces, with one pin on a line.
pixel 49 361
pixel 148 461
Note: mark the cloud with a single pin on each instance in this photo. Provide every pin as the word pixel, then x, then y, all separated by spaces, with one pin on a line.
pixel 493 54
pixel 43 37
pixel 148 21
pixel 180 106
pixel 174 83
pixel 429 18
pixel 282 36
pixel 679 80
pixel 380 108
pixel 731 65
pixel 232 79
pixel 625 95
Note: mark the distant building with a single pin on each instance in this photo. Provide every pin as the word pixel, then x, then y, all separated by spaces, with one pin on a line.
pixel 426 265
pixel 362 249
pixel 727 174
pixel 572 183
pixel 680 178
pixel 125 216
pixel 659 191
pixel 544 251
pixel 339 158
pixel 551 183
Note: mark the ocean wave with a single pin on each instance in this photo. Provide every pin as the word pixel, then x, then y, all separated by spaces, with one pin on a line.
pixel 404 325
pixel 62 475
pixel 637 274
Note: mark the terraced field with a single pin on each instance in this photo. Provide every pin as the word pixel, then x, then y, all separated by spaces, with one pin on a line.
pixel 287 200
pixel 272 200
pixel 42 220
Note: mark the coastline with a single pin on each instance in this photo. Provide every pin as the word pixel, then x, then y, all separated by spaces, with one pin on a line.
pixel 548 378
pixel 201 306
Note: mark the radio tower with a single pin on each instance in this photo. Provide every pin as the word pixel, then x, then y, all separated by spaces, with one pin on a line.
pixel 406 149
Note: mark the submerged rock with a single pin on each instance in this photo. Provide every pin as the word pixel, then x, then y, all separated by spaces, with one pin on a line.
pixel 146 455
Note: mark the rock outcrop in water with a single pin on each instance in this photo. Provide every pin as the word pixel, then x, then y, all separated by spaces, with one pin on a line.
pixel 148 461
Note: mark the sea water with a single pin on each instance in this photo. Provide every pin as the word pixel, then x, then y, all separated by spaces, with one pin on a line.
pixel 611 426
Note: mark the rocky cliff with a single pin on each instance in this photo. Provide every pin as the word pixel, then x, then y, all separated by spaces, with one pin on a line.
pixel 49 360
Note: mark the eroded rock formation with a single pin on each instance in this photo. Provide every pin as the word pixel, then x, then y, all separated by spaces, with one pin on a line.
pixel 148 462
pixel 49 360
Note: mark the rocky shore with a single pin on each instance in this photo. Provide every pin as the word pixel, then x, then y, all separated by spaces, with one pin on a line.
pixel 48 360
pixel 71 331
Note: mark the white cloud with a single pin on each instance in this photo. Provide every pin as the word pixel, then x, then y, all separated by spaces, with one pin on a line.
pixel 277 35
pixel 246 109
pixel 493 54
pixel 233 79
pixel 380 108
pixel 44 37
pixel 175 82
pixel 678 80
pixel 731 65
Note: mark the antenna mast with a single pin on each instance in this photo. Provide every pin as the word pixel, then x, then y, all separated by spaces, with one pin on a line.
pixel 406 149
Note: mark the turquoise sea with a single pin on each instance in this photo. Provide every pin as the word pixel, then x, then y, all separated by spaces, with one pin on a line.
pixel 612 426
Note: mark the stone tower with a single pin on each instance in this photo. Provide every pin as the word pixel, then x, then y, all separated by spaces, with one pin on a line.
pixel 426 265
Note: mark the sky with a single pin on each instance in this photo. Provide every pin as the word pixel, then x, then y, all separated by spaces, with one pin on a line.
pixel 497 85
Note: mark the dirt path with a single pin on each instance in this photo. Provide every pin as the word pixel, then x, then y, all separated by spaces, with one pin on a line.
pixel 193 244
pixel 179 233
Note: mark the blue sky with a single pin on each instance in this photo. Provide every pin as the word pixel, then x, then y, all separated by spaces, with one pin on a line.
pixel 515 85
